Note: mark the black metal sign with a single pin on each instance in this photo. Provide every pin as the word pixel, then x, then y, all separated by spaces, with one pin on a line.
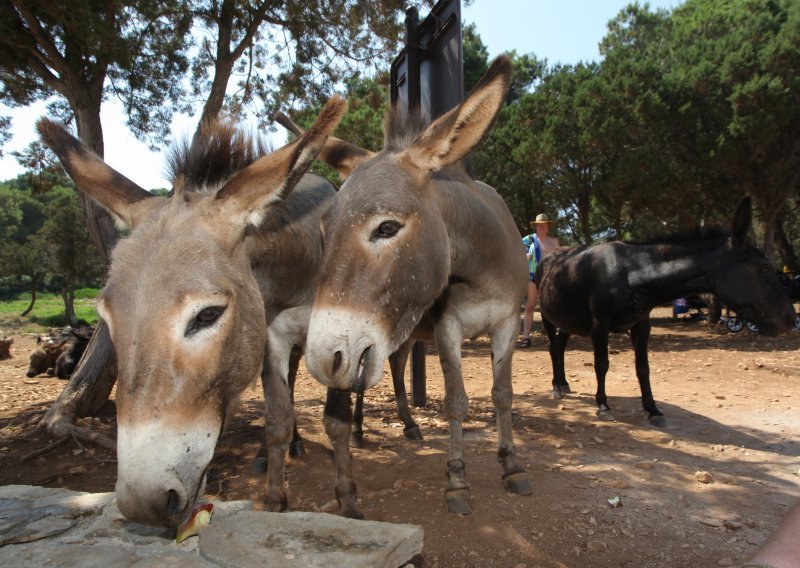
pixel 428 73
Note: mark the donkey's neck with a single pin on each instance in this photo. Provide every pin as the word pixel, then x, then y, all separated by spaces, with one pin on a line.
pixel 672 271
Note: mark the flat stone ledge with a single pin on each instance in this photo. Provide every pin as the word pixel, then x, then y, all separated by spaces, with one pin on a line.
pixel 41 526
pixel 286 540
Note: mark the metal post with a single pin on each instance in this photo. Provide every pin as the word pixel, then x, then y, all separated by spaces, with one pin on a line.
pixel 412 57
pixel 418 379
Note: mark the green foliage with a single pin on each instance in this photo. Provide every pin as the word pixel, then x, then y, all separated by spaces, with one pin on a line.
pixel 48 312
pixel 86 293
pixel 84 50
pixel 44 242
pixel 687 112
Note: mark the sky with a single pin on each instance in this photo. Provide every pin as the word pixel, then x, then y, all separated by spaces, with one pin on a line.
pixel 561 31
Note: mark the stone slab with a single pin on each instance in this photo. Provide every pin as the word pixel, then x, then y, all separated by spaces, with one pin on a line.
pixel 42 526
pixel 284 540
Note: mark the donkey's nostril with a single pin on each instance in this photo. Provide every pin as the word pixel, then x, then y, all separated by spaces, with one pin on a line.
pixel 173 503
pixel 337 362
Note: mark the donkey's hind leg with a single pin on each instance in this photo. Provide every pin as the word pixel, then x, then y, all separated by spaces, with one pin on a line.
pixel 557 340
pixel 397 364
pixel 515 480
pixel 296 447
pixel 640 334
pixel 599 335
pixel 357 431
pixel 338 419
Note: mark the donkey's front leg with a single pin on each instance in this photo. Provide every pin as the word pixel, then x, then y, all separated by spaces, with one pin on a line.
pixel 338 418
pixel 278 425
pixel 515 479
pixel 456 403
pixel 286 335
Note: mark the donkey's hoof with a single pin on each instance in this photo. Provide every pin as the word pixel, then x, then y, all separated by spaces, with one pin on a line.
pixel 357 440
pixel 413 433
pixel 351 512
pixel 458 501
pixel 297 449
pixel 260 465
pixel 518 483
pixel 557 394
pixel 566 390
pixel 277 504
pixel 658 421
pixel 606 414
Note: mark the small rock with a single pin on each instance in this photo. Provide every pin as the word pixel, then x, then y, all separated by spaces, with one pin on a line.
pixel 620 484
pixel 615 502
pixel 330 506
pixel 644 465
pixel 596 546
pixel 599 440
pixel 703 477
pixel 733 525
pixel 712 522
pixel 726 561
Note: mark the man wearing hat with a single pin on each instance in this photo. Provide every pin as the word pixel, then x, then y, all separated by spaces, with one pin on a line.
pixel 538 245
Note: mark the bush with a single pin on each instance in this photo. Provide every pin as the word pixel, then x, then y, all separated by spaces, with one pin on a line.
pixel 86 293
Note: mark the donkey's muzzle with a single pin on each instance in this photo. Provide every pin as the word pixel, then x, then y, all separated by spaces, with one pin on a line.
pixel 166 505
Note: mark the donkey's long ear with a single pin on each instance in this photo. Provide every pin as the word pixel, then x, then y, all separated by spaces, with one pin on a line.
pixel 453 135
pixel 342 156
pixel 116 193
pixel 741 221
pixel 273 176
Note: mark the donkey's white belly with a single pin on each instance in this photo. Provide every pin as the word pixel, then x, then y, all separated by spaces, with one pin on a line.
pixel 480 318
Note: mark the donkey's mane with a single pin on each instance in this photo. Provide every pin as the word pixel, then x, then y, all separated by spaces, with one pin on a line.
pixel 402 126
pixel 698 236
pixel 221 149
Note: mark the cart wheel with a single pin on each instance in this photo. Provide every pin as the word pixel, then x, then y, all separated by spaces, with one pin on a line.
pixel 734 324
pixel 752 327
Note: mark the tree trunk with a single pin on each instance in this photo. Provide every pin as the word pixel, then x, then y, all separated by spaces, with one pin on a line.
pixel 88 388
pixel 68 295
pixel 784 247
pixel 33 300
pixel 90 385
pixel 98 221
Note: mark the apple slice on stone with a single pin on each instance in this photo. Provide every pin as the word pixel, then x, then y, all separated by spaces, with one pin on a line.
pixel 199 517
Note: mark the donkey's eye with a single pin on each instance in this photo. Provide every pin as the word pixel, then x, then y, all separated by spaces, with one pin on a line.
pixel 204 319
pixel 386 230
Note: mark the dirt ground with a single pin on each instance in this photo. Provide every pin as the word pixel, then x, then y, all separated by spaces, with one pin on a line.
pixel 731 403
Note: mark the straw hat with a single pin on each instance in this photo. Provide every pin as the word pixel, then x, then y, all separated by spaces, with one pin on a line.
pixel 541 219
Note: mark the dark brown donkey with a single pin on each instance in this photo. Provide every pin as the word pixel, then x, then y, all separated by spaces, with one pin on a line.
pixel 213 284
pixel 414 246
